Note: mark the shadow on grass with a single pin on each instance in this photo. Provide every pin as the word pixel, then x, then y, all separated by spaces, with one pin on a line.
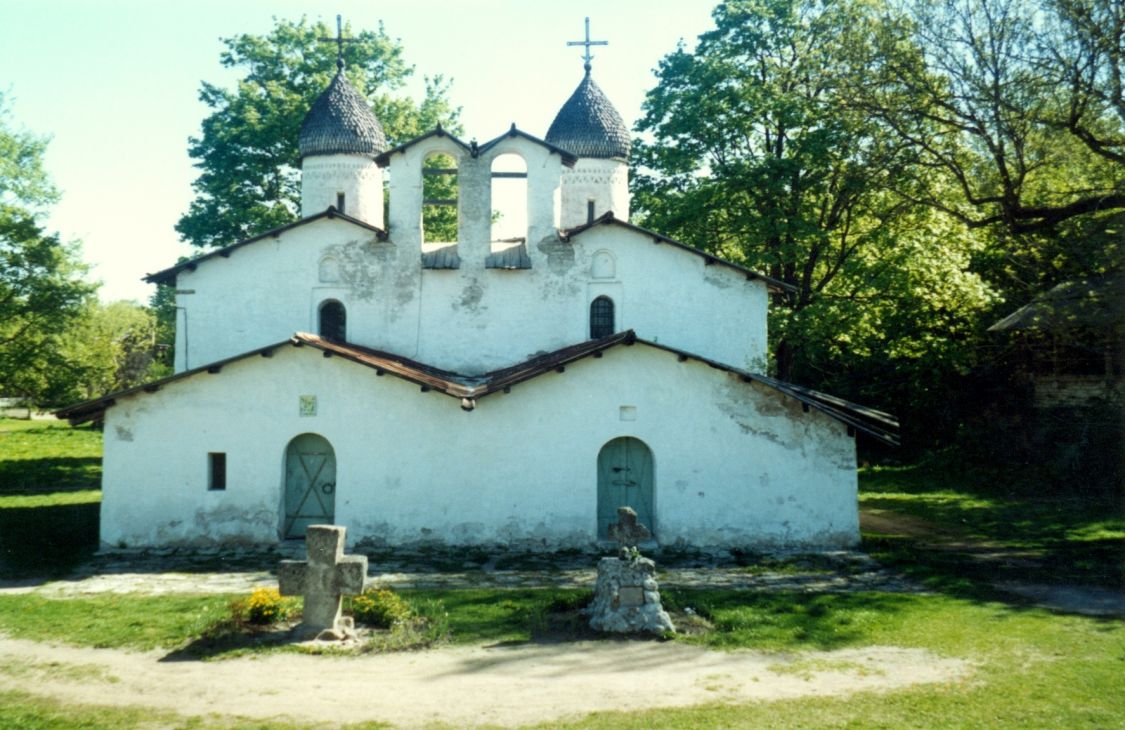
pixel 51 474
pixel 786 620
pixel 228 639
pixel 46 541
pixel 956 574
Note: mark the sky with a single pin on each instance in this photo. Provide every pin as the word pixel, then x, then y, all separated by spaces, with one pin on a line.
pixel 114 84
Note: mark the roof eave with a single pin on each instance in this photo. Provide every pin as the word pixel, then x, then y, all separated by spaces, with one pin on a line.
pixel 568 158
pixel 609 219
pixel 169 275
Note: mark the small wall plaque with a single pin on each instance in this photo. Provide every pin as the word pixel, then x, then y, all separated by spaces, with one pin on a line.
pixel 308 405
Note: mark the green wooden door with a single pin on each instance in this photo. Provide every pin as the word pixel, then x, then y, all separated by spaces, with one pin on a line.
pixel 625 480
pixel 310 484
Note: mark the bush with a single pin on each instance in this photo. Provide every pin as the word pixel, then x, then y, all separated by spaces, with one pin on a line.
pixel 263 607
pixel 380 607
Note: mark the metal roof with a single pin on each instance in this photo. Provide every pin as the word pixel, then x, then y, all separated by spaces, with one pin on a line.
pixel 608 218
pixel 169 274
pixel 1079 303
pixel 469 388
pixel 475 150
pixel 588 125
pixel 341 122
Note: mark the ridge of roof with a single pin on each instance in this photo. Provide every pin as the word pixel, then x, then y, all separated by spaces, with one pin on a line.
pixel 1096 301
pixel 468 388
pixel 569 158
pixel 168 274
pixel 608 218
pixel 384 158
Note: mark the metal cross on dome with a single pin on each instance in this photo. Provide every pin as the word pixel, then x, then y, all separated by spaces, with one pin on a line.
pixel 587 43
pixel 339 40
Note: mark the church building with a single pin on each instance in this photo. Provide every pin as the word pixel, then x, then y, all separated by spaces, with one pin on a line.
pixel 354 368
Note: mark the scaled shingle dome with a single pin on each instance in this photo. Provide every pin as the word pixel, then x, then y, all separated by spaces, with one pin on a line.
pixel 589 126
pixel 341 122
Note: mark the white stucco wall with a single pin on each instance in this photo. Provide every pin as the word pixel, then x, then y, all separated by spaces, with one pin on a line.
pixel 606 182
pixel 356 176
pixel 736 464
pixel 472 319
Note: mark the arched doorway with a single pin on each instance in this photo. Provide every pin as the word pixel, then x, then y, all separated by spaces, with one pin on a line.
pixel 625 480
pixel 310 484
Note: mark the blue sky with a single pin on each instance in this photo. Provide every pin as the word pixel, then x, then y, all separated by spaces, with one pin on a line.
pixel 115 85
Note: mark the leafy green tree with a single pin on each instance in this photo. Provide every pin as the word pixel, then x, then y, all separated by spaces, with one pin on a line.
pixel 247 153
pixel 1018 104
pixel 41 286
pixel 110 347
pixel 759 155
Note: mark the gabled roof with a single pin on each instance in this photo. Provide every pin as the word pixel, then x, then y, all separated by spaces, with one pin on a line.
pixel 340 121
pixel 473 149
pixel 710 259
pixel 384 159
pixel 568 158
pixel 469 388
pixel 1079 303
pixel 589 126
pixel 169 274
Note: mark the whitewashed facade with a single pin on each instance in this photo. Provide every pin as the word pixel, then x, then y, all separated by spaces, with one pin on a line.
pixel 719 456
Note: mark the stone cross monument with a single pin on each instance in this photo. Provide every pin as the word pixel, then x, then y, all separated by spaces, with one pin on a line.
pixel 627 532
pixel 626 596
pixel 323 579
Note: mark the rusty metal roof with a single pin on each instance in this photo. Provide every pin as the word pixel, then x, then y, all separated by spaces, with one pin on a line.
pixel 469 388
pixel 169 274
pixel 608 218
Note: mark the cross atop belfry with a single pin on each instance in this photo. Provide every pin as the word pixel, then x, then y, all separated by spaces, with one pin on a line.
pixel 339 40
pixel 587 57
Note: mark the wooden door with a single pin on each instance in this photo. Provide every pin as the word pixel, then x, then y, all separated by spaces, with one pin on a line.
pixel 625 480
pixel 310 484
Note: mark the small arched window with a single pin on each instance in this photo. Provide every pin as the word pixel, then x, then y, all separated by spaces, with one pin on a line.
pixel 601 318
pixel 333 321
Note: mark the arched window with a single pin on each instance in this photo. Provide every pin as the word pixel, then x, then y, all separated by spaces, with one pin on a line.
pixel 509 198
pixel 439 199
pixel 601 318
pixel 333 321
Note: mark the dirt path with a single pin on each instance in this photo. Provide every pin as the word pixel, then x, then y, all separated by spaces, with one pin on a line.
pixel 462 686
pixel 998 560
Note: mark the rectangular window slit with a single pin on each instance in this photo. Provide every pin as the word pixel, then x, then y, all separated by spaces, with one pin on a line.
pixel 340 202
pixel 216 471
pixel 589 211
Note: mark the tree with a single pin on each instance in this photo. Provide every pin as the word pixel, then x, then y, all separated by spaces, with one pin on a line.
pixel 1019 106
pixel 110 347
pixel 41 287
pixel 760 155
pixel 247 152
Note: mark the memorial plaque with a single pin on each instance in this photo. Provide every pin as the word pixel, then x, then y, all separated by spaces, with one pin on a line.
pixel 630 596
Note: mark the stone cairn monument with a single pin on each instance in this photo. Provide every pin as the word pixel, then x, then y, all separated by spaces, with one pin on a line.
pixel 626 596
pixel 323 579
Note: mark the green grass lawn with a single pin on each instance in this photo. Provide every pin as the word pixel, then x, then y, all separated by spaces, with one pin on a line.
pixel 1069 538
pixel 48 456
pixel 1034 668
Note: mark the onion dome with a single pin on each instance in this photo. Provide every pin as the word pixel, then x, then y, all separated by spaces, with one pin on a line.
pixel 341 122
pixel 589 126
